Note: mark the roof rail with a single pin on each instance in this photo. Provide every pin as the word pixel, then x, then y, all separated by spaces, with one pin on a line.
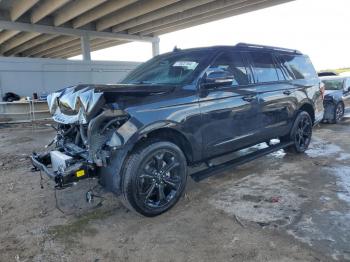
pixel 268 47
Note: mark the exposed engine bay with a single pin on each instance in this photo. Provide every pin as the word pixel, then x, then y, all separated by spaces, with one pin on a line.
pixel 86 134
pixel 92 124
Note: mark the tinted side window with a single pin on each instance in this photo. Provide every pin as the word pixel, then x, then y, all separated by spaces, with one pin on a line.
pixel 232 62
pixel 287 71
pixel 301 66
pixel 280 73
pixel 264 67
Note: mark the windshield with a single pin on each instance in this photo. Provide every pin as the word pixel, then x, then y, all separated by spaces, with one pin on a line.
pixel 333 84
pixel 173 68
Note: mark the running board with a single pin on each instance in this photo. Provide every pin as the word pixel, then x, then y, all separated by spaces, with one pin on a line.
pixel 201 175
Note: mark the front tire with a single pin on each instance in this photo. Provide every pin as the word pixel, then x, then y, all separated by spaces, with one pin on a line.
pixel 154 178
pixel 300 134
pixel 338 113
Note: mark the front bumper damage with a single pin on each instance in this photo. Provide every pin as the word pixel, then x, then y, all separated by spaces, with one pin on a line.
pixel 81 150
pixel 92 131
pixel 65 175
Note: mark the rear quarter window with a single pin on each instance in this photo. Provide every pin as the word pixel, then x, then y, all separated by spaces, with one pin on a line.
pixel 300 65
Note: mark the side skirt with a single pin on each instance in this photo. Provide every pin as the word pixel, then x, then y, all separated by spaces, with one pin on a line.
pixel 211 171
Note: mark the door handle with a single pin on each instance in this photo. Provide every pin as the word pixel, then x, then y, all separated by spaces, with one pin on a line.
pixel 248 98
pixel 287 92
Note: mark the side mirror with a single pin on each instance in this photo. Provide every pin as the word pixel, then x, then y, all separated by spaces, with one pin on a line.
pixel 217 77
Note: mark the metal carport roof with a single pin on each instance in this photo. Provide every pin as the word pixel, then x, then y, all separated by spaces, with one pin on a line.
pixel 65 28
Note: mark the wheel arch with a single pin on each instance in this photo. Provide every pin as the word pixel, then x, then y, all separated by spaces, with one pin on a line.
pixel 168 134
pixel 110 176
pixel 307 107
pixel 341 102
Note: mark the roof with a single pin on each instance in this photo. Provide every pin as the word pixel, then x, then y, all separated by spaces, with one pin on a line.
pixel 54 28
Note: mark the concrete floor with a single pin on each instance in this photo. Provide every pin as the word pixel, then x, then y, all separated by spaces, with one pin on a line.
pixel 280 207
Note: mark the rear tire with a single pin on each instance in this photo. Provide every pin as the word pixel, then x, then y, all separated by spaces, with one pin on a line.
pixel 154 178
pixel 300 134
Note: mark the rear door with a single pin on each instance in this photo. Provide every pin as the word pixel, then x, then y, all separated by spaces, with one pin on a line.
pixel 275 93
pixel 306 82
pixel 230 112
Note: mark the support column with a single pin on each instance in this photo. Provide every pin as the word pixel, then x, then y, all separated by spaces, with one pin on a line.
pixel 85 47
pixel 155 46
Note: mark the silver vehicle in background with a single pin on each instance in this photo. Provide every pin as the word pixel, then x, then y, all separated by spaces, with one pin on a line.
pixel 337 98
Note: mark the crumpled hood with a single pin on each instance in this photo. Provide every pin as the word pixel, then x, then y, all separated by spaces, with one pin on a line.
pixel 78 104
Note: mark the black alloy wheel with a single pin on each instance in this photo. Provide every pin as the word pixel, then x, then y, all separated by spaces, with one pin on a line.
pixel 154 178
pixel 159 179
pixel 301 133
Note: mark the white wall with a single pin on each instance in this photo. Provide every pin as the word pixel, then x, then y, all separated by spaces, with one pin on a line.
pixel 24 76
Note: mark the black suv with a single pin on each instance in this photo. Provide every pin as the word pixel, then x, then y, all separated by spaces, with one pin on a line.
pixel 177 110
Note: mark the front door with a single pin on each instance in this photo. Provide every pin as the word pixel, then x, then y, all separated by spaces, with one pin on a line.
pixel 230 112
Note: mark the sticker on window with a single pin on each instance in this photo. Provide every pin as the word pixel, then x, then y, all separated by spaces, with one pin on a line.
pixel 190 65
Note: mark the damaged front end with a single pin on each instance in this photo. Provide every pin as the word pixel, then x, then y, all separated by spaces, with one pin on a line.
pixel 86 135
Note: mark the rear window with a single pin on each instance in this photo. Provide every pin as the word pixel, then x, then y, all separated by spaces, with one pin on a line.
pixel 300 66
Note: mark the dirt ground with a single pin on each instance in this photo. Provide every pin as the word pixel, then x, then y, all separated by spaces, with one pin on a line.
pixel 280 207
